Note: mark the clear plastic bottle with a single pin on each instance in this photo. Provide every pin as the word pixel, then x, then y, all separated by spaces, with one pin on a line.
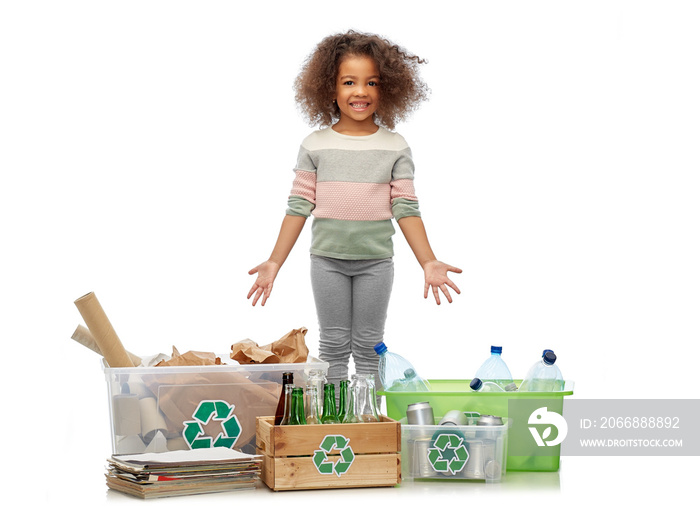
pixel 544 375
pixel 396 373
pixel 494 369
pixel 486 386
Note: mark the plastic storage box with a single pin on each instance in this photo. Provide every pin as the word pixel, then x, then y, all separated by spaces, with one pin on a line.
pixel 463 452
pixel 155 409
pixel 523 452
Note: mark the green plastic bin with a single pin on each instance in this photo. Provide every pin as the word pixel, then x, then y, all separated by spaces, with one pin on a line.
pixel 447 395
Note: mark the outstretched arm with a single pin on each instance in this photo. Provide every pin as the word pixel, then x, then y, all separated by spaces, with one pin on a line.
pixel 435 271
pixel 267 271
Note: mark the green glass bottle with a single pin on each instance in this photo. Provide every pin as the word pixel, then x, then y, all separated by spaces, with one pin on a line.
pixel 343 400
pixel 298 415
pixel 329 415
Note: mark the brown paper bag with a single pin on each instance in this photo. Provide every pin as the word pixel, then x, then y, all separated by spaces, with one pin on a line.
pixel 248 352
pixel 191 358
pixel 290 348
pixel 179 394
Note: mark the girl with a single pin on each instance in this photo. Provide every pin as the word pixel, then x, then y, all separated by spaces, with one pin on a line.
pixel 354 175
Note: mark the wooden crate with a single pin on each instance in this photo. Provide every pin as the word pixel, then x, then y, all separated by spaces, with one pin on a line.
pixel 329 456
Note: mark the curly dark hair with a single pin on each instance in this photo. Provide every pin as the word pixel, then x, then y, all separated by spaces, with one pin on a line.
pixel 401 88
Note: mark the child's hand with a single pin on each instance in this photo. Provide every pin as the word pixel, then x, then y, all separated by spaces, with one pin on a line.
pixel 267 271
pixel 437 279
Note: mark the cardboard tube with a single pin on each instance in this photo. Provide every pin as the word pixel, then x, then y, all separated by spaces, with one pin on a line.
pixel 127 414
pixel 84 337
pixel 151 419
pixel 103 332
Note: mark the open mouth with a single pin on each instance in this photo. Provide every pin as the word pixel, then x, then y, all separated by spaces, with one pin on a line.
pixel 359 106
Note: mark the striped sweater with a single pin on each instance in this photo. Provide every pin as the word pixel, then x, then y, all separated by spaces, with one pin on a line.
pixel 353 185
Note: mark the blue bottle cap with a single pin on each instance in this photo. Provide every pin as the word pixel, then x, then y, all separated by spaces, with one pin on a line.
pixel 496 349
pixel 475 384
pixel 380 348
pixel 549 357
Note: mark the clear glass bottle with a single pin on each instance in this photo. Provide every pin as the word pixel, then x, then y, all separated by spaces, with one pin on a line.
pixel 297 417
pixel 287 412
pixel 317 378
pixel 349 416
pixel 364 399
pixel 329 415
pixel 313 416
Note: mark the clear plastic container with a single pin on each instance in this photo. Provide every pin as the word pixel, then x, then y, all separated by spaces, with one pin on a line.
pixel 461 452
pixel 168 408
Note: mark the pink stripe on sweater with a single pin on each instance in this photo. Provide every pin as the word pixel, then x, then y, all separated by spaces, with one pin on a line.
pixel 355 201
pixel 403 188
pixel 304 185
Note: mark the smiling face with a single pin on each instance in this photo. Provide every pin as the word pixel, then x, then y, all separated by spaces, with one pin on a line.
pixel 357 95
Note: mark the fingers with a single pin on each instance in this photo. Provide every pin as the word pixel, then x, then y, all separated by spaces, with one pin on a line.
pixel 453 286
pixel 436 294
pixel 442 287
pixel 259 291
pixel 266 295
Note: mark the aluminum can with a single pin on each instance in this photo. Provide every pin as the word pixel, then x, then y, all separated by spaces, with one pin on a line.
pixel 454 417
pixel 475 464
pixel 487 420
pixel 419 464
pixel 420 414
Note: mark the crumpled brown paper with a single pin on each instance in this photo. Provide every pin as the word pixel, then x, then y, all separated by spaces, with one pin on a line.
pixel 290 348
pixel 191 358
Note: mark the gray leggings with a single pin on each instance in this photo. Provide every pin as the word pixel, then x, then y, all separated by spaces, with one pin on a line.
pixel 352 298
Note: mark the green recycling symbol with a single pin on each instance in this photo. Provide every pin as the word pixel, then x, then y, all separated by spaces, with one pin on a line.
pixel 327 467
pixel 206 411
pixel 448 453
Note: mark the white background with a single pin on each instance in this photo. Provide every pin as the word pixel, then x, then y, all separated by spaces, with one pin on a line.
pixel 146 152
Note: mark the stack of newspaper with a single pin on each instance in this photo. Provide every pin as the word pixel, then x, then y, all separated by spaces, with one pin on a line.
pixel 177 473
